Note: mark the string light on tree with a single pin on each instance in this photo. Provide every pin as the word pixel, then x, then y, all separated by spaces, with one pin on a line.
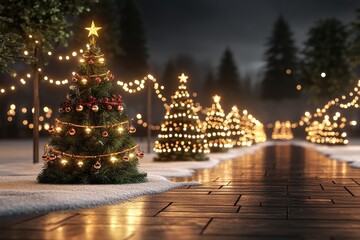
pixel 180 137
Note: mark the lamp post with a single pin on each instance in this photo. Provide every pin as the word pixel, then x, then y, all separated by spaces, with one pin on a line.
pixel 36 104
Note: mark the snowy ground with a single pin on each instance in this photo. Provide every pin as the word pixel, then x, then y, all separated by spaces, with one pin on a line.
pixel 348 153
pixel 20 193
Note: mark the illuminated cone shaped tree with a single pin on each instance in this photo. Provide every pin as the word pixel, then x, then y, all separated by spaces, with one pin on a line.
pixel 233 123
pixel 90 142
pixel 247 127
pixel 217 132
pixel 181 138
pixel 259 132
pixel 328 132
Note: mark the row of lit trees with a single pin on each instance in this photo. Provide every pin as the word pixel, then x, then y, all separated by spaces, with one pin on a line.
pixel 183 136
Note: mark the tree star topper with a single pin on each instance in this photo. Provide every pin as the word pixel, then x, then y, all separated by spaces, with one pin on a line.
pixel 93 29
pixel 183 78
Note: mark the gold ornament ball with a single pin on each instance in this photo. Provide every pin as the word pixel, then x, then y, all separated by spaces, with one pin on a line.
pixel 61 110
pixel 120 108
pixel 52 157
pixel 95 108
pixel 79 108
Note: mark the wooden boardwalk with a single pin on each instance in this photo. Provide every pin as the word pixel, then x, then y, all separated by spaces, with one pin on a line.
pixel 279 192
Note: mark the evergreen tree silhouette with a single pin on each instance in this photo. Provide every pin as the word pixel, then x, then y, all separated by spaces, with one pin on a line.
pixel 279 81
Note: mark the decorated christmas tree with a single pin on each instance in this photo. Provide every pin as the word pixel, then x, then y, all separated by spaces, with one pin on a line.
pixel 233 123
pixel 282 131
pixel 217 132
pixel 328 132
pixel 259 131
pixel 247 128
pixel 181 138
pixel 90 142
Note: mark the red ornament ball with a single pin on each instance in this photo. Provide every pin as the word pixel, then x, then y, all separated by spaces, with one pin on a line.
pixel 105 134
pixel 74 79
pixel 79 108
pixel 97 165
pixel 126 158
pixel 109 107
pixel 67 109
pixel 95 108
pixel 51 129
pixel 91 61
pixel 98 80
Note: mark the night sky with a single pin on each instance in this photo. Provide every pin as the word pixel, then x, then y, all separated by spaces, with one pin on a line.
pixel 204 28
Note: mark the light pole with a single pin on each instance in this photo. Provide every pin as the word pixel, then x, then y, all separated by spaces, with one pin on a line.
pixel 36 105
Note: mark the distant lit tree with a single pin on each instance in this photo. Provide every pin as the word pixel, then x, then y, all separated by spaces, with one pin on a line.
pixel 279 81
pixel 325 65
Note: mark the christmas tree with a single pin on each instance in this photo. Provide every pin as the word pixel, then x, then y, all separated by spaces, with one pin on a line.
pixel 216 128
pixel 90 142
pixel 259 132
pixel 282 131
pixel 233 123
pixel 328 132
pixel 181 138
pixel 246 127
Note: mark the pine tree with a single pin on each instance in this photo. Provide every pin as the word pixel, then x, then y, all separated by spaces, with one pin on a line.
pixel 168 77
pixel 181 138
pixel 233 123
pixel 90 142
pixel 217 133
pixel 325 68
pixel 280 81
pixel 259 132
pixel 228 82
pixel 355 40
pixel 133 62
pixel 210 86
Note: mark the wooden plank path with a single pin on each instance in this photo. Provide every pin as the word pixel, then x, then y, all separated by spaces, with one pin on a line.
pixel 279 192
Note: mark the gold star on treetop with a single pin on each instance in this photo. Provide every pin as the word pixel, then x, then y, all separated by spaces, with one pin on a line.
pixel 93 29
pixel 183 78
